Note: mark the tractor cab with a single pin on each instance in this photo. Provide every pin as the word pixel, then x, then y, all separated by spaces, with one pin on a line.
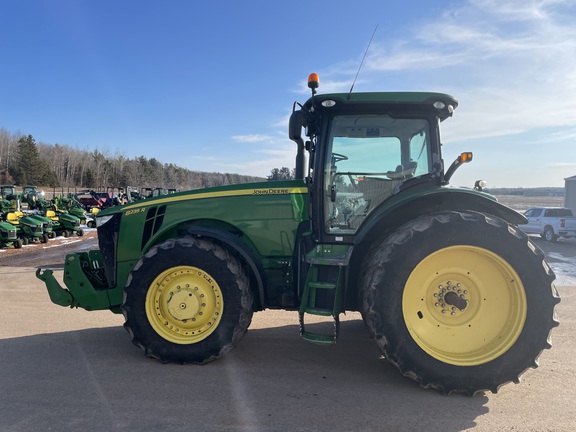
pixel 364 149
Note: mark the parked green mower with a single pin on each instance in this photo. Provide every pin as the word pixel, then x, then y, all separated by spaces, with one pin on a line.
pixel 47 223
pixel 9 235
pixel 73 206
pixel 29 229
pixel 64 224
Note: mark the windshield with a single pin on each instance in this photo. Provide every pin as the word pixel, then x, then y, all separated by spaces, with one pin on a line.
pixel 368 158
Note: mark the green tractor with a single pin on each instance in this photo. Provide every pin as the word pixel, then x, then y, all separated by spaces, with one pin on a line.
pixel 72 206
pixel 454 294
pixel 154 192
pixel 9 193
pixel 32 198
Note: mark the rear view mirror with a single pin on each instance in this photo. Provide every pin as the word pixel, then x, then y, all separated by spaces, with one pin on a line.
pixel 297 122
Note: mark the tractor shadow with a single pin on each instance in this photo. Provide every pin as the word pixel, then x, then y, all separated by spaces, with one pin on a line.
pixel 97 380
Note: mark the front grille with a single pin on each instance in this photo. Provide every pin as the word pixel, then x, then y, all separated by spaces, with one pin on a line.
pixel 108 242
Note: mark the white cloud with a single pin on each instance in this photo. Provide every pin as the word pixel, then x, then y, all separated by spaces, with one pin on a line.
pixel 253 138
pixel 259 161
pixel 571 165
pixel 510 63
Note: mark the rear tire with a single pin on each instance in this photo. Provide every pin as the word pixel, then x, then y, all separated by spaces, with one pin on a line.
pixel 187 300
pixel 549 235
pixel 459 302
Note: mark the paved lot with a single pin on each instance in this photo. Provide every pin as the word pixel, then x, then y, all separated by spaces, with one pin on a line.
pixel 71 370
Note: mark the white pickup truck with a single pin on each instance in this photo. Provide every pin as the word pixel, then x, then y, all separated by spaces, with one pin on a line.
pixel 550 222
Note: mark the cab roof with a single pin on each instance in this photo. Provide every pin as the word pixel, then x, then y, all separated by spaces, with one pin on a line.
pixel 443 103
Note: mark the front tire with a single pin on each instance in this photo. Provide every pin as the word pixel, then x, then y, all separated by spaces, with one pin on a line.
pixel 459 302
pixel 187 300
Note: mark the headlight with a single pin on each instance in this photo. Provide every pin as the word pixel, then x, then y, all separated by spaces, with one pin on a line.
pixel 103 219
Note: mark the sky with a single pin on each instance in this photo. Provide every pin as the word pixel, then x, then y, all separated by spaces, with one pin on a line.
pixel 210 85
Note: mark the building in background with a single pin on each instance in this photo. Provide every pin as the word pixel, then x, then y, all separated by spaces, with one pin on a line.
pixel 570 193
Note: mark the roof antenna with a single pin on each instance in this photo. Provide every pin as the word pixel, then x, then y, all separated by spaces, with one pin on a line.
pixel 362 62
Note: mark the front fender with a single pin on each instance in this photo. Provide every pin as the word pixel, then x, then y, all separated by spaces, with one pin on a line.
pixel 404 207
pixel 239 246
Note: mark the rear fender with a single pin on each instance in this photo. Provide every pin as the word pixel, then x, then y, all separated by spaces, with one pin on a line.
pixel 393 213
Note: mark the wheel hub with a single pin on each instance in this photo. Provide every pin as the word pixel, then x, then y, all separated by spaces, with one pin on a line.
pixel 451 298
pixel 184 304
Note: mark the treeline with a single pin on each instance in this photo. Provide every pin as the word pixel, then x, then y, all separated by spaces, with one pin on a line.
pixel 541 191
pixel 25 161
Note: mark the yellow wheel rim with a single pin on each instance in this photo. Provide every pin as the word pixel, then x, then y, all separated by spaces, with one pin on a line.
pixel 184 305
pixel 464 305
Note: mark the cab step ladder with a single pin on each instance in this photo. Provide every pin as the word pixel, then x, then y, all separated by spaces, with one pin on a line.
pixel 324 289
